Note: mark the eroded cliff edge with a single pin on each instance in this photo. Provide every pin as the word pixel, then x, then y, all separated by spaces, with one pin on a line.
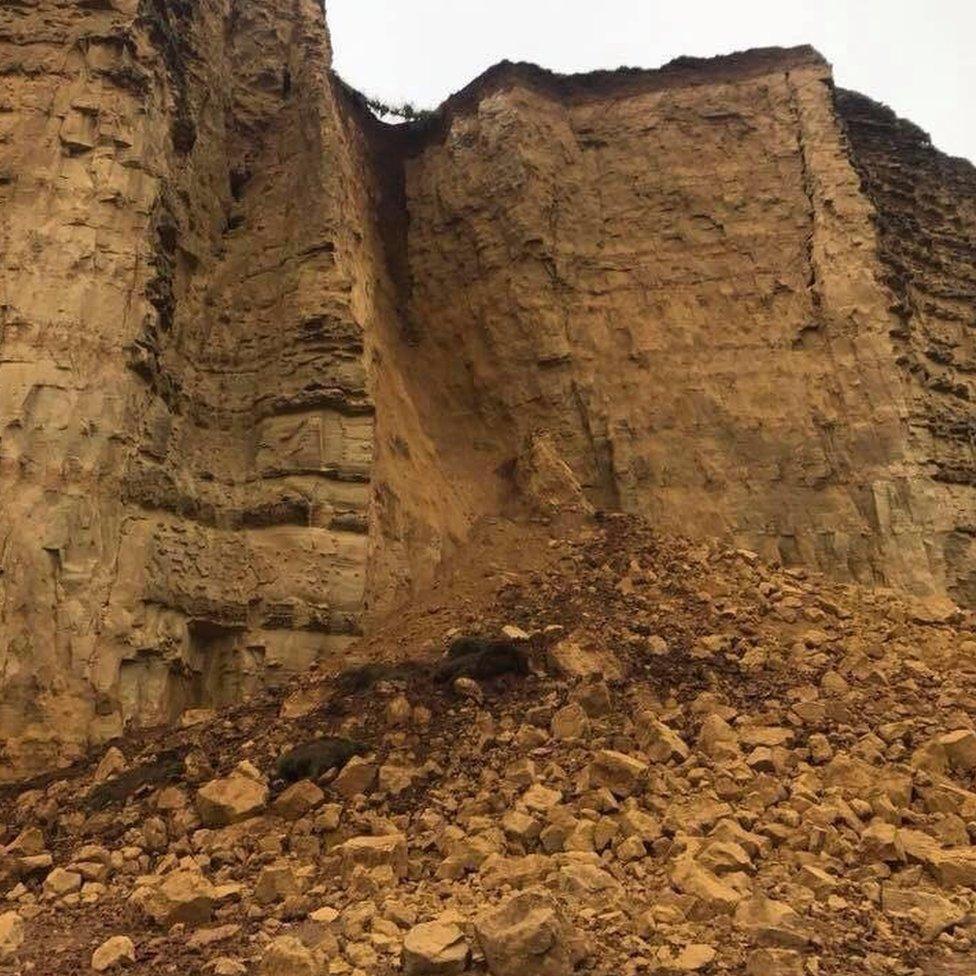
pixel 264 360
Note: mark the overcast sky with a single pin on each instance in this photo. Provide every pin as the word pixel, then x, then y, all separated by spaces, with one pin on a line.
pixel 918 56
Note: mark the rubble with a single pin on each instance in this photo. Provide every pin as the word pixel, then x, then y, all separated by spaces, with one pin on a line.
pixel 560 824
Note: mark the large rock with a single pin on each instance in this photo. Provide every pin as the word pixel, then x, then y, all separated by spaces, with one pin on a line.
pixel 227 801
pixel 527 934
pixel 953 750
pixel 298 799
pixel 660 741
pixel 357 776
pixel 288 956
pixel 113 953
pixel 277 882
pixel 435 949
pixel 933 913
pixel 183 896
pixel 715 896
pixel 372 852
pixel 775 962
pixel 618 772
pixel 770 923
pixel 11 933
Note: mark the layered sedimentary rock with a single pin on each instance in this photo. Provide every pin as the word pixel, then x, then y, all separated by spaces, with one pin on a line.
pixel 187 429
pixel 264 360
pixel 925 212
pixel 678 274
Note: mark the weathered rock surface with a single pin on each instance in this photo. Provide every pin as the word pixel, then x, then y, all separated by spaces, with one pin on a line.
pixel 183 896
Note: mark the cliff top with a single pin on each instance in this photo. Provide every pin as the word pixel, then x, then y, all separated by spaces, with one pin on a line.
pixel 620 82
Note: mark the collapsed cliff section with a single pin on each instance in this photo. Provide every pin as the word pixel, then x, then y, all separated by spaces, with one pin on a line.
pixel 677 274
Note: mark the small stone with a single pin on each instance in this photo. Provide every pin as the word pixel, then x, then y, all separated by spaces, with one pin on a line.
pixel 690 959
pixel 960 749
pixel 395 780
pixel 630 849
pixel 775 962
pixel 275 883
pixel 287 956
pixel 717 739
pixel 203 938
pixel 594 698
pixel 539 798
pixel 468 688
pixel 399 711
pixel 526 934
pixel 520 826
pixel 27 843
pixel 882 842
pixel 370 852
pixel 834 685
pixel 225 966
pixel 820 749
pixel 661 742
pixel 770 923
pixel 933 913
pixel 61 882
pixel 112 762
pixel 196 716
pixel 571 659
pixel 715 896
pixel 635 822
pixel 817 880
pixel 183 896
pixel 114 952
pixel 761 760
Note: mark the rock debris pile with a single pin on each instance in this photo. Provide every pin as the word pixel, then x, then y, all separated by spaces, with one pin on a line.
pixel 713 766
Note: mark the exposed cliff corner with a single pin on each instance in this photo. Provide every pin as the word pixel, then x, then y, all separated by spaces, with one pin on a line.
pixel 265 361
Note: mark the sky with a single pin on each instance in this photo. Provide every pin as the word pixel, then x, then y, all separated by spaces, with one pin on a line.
pixel 917 56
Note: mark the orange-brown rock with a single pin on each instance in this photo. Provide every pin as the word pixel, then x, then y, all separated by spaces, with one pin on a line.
pixel 265 360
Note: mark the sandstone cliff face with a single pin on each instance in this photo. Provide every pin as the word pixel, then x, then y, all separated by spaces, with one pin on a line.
pixel 264 360
pixel 678 275
pixel 925 210
pixel 187 429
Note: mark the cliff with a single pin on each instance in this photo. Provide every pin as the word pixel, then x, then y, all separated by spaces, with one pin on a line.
pixel 264 360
